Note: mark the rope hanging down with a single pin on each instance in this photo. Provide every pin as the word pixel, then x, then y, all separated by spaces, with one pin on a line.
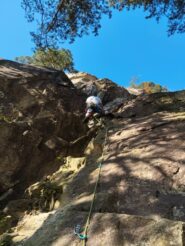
pixel 77 232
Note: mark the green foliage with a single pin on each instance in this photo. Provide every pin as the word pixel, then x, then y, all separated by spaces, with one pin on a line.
pixel 148 87
pixel 5 118
pixel 67 19
pixel 5 240
pixel 58 59
pixel 24 59
pixel 5 224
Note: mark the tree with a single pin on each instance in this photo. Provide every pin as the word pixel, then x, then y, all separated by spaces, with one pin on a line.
pixel 149 87
pixel 58 59
pixel 67 19
pixel 24 59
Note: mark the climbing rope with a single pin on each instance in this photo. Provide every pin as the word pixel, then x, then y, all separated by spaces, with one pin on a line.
pixel 77 232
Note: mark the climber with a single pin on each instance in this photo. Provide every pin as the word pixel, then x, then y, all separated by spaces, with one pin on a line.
pixel 94 107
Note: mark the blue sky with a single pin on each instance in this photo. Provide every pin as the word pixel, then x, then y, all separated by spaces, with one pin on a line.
pixel 128 46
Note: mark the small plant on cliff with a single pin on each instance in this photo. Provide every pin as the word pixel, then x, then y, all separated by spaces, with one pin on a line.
pixel 5 240
pixel 59 59
pixel 148 87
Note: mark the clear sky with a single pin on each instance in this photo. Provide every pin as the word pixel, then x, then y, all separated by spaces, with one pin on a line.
pixel 127 46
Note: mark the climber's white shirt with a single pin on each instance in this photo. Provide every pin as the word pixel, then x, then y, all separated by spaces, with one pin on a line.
pixel 93 100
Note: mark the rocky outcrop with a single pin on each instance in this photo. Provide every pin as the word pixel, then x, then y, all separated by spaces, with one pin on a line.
pixel 135 91
pixel 139 198
pixel 40 112
pixel 107 90
pixel 157 102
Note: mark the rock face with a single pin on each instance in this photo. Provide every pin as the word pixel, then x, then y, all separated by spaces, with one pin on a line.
pixel 40 112
pixel 105 88
pixel 140 196
pixel 144 105
pixel 135 91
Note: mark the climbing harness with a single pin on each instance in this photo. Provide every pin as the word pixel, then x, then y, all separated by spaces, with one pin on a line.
pixel 78 229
